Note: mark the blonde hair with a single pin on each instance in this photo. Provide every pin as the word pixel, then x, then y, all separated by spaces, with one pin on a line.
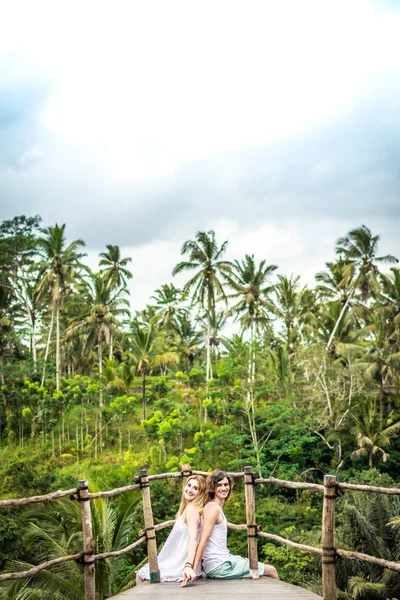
pixel 198 502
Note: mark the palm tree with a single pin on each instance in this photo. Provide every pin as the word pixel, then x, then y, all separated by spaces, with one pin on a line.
pixel 217 323
pixel 57 270
pixel 6 324
pixel 381 357
pixel 332 283
pixel 187 339
pixel 54 531
pixel 249 284
pixel 367 523
pixel 334 286
pixel 116 272
pixel 98 306
pixel 168 303
pixel 390 295
pixel 115 267
pixel 144 349
pixel 358 250
pixel 372 433
pixel 205 285
pixel 18 270
pixel 324 320
pixel 293 305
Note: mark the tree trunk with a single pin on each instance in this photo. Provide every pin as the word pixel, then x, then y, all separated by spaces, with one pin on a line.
pixel 95 437
pixel 47 346
pixel 381 398
pixel 77 442
pixel 250 408
pixel 111 349
pixel 208 361
pixel 58 360
pixel 208 364
pixel 100 354
pixel 31 317
pixel 144 400
pixel 33 342
pixel 339 319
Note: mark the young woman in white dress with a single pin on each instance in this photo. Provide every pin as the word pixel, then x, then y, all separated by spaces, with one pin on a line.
pixel 177 555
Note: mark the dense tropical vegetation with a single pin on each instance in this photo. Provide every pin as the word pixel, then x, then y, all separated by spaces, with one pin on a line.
pixel 308 383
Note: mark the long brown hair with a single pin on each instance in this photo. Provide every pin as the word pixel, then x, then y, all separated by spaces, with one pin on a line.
pixel 213 480
pixel 198 502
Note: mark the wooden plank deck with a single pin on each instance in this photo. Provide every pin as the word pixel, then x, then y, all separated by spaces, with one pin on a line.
pixel 211 589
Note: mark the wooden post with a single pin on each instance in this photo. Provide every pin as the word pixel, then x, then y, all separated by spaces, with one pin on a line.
pixel 328 538
pixel 149 527
pixel 185 470
pixel 251 522
pixel 88 541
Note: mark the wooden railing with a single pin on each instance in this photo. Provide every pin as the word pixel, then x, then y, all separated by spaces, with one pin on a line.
pixel 328 552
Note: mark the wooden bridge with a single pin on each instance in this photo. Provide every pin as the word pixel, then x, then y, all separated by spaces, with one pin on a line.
pixel 210 589
pixel 207 588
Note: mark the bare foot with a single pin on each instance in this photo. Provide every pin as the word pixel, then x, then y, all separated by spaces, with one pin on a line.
pixel 270 571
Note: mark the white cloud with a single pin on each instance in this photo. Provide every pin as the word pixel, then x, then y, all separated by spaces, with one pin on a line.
pixel 155 84
pixel 162 118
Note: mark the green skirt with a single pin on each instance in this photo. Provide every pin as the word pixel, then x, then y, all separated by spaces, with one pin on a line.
pixel 236 567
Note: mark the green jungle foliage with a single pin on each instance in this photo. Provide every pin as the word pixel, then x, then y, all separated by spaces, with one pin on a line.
pixel 308 384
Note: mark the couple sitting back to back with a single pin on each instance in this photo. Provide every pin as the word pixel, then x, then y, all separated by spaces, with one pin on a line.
pixel 198 541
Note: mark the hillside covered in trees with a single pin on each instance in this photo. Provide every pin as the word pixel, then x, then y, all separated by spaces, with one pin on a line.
pixel 308 384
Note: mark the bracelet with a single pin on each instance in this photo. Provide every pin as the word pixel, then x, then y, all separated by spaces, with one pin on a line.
pixel 188 564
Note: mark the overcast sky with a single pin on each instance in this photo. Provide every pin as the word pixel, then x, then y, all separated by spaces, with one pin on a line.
pixel 139 123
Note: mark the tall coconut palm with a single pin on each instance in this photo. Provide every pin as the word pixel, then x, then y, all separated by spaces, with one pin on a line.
pixel 6 324
pixel 57 268
pixel 168 300
pixel 293 305
pixel 326 317
pixel 116 272
pixel 250 286
pixel 332 283
pixel 144 342
pixel 205 286
pixel 358 250
pixel 98 306
pixel 390 295
pixel 18 269
pixel 114 266
pixel 380 360
pixel 187 339
pixel 217 323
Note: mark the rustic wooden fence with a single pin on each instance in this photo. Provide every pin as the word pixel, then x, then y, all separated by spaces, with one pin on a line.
pixel 331 489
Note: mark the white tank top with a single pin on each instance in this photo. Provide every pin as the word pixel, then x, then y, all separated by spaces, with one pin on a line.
pixel 216 551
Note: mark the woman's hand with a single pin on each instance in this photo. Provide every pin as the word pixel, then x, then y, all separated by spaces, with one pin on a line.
pixel 188 576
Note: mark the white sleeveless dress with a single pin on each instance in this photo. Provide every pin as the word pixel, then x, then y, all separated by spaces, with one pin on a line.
pixel 173 555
